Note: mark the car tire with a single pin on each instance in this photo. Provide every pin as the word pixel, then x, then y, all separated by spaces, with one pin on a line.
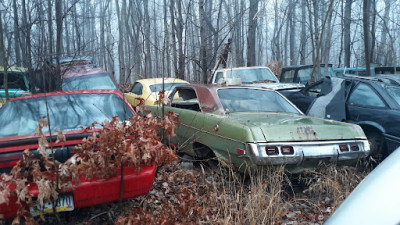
pixel 376 143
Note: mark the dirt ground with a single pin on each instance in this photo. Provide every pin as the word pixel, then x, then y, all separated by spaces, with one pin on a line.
pixel 205 193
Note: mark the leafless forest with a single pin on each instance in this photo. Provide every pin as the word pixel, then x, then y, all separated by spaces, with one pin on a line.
pixel 183 38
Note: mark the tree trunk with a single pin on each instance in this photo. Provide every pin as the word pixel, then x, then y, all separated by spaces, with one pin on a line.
pixel 16 35
pixel 4 60
pixel 203 40
pixel 367 45
pixel 251 34
pixel 59 20
pixel 303 34
pixel 292 36
pixel 346 32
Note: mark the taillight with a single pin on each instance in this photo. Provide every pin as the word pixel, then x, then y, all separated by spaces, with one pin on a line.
pixel 272 150
pixel 344 148
pixel 287 150
pixel 354 147
pixel 241 151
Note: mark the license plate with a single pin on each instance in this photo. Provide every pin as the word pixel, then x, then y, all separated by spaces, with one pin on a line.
pixel 65 202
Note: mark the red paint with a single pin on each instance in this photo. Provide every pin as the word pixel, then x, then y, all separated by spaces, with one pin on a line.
pixel 87 193
pixel 241 151
pixel 94 192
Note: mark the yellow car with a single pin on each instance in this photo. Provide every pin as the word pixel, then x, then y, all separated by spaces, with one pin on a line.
pixel 148 89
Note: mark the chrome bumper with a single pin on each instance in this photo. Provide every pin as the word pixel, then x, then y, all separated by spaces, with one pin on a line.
pixel 309 152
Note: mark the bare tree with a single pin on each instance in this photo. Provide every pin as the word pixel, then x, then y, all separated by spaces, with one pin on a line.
pixel 251 34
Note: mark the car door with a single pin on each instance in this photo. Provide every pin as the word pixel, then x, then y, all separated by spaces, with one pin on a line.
pixel 365 105
pixel 136 92
pixel 185 105
pixel 303 98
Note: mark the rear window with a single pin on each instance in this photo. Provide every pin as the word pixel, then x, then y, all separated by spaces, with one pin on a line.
pixel 89 82
pixel 67 112
pixel 254 100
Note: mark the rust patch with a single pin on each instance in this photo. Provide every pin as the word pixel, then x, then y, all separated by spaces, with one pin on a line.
pixel 307 133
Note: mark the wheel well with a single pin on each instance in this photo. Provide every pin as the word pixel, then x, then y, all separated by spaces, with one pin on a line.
pixel 202 151
pixel 370 129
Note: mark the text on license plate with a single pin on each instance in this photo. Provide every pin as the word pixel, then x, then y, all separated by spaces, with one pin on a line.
pixel 65 202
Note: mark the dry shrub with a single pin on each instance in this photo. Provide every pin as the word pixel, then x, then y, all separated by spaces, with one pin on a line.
pixel 256 199
pixel 264 201
pixel 276 68
pixel 333 183
pixel 212 195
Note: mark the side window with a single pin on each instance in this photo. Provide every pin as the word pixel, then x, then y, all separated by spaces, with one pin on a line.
pixel 137 88
pixel 363 95
pixel 185 98
pixel 287 77
pixel 218 76
pixel 314 89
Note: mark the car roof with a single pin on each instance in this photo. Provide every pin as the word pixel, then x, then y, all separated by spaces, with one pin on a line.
pixel 302 66
pixel 209 100
pixel 150 81
pixel 82 70
pixel 69 59
pixel 16 70
pixel 240 68
pixel 92 91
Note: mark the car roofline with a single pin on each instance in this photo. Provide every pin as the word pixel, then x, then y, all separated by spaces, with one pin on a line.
pixel 92 91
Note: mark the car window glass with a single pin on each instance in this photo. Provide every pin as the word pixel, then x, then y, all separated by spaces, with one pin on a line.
pixel 249 75
pixel 314 90
pixel 365 96
pixel 185 98
pixel 137 88
pixel 87 82
pixel 393 91
pixel 218 76
pixel 67 112
pixel 253 100
pixel 287 77
pixel 167 86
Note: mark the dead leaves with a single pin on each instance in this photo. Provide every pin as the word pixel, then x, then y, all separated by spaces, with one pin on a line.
pixel 101 154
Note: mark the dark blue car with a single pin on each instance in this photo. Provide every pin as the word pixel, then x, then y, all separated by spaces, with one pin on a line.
pixel 372 103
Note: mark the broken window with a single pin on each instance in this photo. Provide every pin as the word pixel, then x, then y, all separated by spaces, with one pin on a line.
pixel 185 98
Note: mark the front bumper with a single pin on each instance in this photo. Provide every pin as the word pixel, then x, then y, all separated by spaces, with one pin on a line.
pixel 309 153
pixel 98 191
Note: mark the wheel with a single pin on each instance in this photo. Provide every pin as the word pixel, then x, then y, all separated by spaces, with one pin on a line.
pixel 375 140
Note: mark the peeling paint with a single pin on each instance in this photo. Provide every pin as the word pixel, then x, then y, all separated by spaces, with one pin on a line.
pixel 307 133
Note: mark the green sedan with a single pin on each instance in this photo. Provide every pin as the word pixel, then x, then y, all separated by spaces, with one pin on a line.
pixel 249 128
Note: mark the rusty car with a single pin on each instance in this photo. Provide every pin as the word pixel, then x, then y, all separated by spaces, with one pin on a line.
pixel 68 111
pixel 249 128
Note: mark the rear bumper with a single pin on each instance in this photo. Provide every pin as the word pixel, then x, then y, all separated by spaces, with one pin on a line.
pixel 99 191
pixel 309 154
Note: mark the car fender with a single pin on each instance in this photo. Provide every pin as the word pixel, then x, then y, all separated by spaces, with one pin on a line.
pixel 370 124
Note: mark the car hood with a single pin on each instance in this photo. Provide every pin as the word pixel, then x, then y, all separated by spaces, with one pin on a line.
pixel 278 127
pixel 277 86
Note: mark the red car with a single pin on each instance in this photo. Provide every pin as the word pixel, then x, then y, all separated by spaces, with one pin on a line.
pixel 68 111
pixel 86 77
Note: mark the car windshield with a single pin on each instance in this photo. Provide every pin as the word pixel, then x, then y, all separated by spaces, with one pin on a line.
pixel 304 74
pixel 254 100
pixel 88 82
pixel 14 81
pixel 67 112
pixel 393 90
pixel 167 86
pixel 249 75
